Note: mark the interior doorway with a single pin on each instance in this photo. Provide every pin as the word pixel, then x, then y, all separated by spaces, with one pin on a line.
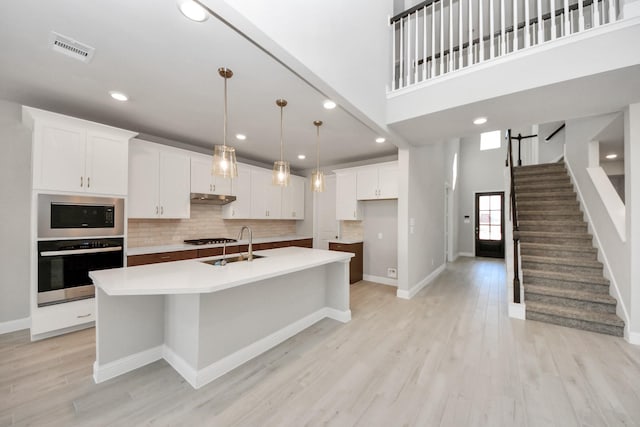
pixel 490 224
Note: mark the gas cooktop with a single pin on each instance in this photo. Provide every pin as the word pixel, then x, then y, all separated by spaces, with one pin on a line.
pixel 209 241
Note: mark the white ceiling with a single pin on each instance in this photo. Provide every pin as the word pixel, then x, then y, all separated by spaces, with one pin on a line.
pixel 168 65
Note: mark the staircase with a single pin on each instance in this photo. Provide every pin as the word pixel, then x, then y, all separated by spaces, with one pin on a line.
pixel 563 280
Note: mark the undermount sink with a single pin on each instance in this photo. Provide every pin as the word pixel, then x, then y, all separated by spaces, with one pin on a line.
pixel 235 258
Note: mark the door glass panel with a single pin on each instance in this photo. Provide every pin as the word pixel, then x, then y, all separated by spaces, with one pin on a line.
pixel 485 203
pixel 495 203
pixel 485 217
pixel 496 233
pixel 490 217
pixel 495 217
pixel 485 232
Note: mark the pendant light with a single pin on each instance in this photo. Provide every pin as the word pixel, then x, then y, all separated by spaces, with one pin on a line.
pixel 281 169
pixel 224 157
pixel 317 177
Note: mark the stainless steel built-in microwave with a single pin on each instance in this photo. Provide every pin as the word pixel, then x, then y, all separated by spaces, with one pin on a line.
pixel 79 216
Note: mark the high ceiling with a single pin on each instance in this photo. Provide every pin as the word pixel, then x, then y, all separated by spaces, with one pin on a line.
pixel 167 65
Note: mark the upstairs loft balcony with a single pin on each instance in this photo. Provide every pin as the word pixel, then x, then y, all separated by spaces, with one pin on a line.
pixel 437 37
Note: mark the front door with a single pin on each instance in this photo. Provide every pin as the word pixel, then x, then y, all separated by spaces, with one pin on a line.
pixel 490 224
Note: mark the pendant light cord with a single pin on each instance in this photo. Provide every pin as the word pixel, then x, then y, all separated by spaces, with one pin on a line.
pixel 224 132
pixel 318 149
pixel 281 136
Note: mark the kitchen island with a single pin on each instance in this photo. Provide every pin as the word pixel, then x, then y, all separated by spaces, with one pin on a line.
pixel 205 320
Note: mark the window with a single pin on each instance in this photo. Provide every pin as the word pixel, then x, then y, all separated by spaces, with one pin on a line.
pixel 455 170
pixel 490 140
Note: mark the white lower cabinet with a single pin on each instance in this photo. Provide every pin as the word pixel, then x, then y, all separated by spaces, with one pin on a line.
pixel 56 317
pixel 159 181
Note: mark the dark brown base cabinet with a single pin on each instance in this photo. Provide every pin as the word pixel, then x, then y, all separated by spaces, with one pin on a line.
pixel 133 260
pixel 355 268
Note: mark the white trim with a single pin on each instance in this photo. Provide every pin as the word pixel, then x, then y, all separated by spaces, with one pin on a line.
pixel 408 294
pixel 517 311
pixel 380 279
pixel 61 331
pixel 558 159
pixel 217 369
pixel 466 254
pixel 343 316
pixel 126 364
pixel 15 325
pixel 632 337
pixel 605 261
pixel 180 365
pixel 610 199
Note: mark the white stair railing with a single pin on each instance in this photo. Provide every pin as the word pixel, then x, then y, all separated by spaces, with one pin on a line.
pixel 437 37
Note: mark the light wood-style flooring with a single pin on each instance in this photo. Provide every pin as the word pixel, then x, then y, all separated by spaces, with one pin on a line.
pixel 450 356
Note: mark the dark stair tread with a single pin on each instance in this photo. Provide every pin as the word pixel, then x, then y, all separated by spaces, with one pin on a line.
pixel 544 222
pixel 567 277
pixel 574 313
pixel 595 297
pixel 557 234
pixel 568 261
pixel 526 246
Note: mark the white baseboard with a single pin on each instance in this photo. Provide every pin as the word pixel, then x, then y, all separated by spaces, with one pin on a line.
pixel 217 369
pixel 408 294
pixel 632 337
pixel 15 325
pixel 465 254
pixel 380 279
pixel 181 366
pixel 339 315
pixel 126 364
pixel 517 311
pixel 63 331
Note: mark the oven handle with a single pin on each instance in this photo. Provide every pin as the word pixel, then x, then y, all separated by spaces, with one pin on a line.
pixel 80 251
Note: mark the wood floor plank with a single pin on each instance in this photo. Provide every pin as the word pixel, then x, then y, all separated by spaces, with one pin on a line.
pixel 448 357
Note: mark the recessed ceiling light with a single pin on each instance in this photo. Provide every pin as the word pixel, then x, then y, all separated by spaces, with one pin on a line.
pixel 380 140
pixel 302 156
pixel 611 156
pixel 480 121
pixel 192 10
pixel 329 104
pixel 241 137
pixel 118 96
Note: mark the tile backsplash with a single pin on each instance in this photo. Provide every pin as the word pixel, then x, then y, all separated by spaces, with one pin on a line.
pixel 351 230
pixel 205 221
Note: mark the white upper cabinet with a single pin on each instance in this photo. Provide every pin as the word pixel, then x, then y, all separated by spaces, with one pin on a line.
pixel 203 181
pixel 76 155
pixel 159 181
pixel 378 181
pixel 347 206
pixel 293 198
pixel 266 198
pixel 241 188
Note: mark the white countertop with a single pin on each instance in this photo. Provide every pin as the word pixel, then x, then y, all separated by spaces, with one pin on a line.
pixel 145 250
pixel 193 276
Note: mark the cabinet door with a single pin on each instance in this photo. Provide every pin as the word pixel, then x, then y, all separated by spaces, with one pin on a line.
pixel 241 188
pixel 388 182
pixel 367 184
pixel 144 172
pixel 293 199
pixel 260 191
pixel 59 157
pixel 347 207
pixel 174 201
pixel 222 185
pixel 107 164
pixel 201 178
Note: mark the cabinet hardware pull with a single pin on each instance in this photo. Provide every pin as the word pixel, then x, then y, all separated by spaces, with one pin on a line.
pixel 214 187
pixel 161 210
pixel 83 315
pixel 88 181
pixel 156 210
pixel 80 181
pixel 165 257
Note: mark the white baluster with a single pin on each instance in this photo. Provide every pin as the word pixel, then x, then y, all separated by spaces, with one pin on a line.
pixel 580 16
pixel 408 56
pixel 393 55
pixel 401 80
pixel 540 26
pixel 613 13
pixel 503 30
pixel 460 40
pixel 470 48
pixel 596 14
pixel 492 49
pixel 424 44
pixel 515 26
pixel 450 68
pixel 553 20
pixel 567 23
pixel 441 37
pixel 415 61
pixel 527 35
pixel 433 40
pixel 481 30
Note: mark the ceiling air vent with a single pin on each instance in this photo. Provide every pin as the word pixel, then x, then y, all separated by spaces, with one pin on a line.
pixel 71 47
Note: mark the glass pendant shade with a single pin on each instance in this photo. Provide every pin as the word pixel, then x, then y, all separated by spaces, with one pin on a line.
pixel 317 181
pixel 281 169
pixel 224 157
pixel 281 173
pixel 224 161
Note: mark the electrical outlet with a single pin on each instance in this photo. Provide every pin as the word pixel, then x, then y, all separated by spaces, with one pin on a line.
pixel 392 272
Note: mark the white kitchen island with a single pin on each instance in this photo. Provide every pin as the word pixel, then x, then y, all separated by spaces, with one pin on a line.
pixel 206 320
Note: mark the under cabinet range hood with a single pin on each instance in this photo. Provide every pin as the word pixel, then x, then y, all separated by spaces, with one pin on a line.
pixel 211 199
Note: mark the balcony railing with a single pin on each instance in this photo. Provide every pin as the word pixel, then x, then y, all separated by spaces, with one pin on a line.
pixel 437 37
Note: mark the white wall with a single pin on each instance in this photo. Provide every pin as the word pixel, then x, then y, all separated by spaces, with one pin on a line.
pixel 480 171
pixel 552 150
pixel 632 199
pixel 380 227
pixel 614 251
pixel 15 193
